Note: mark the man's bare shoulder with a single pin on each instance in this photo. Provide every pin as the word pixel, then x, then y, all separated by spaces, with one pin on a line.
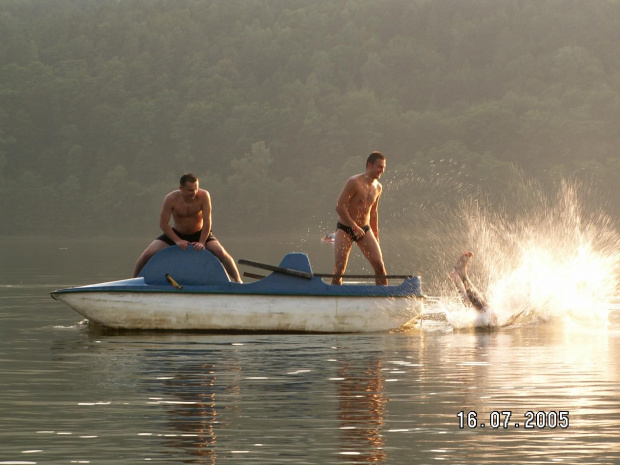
pixel 355 181
pixel 203 195
pixel 172 197
pixel 170 201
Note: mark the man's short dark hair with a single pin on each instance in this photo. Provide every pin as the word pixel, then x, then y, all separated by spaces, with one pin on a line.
pixel 373 157
pixel 187 177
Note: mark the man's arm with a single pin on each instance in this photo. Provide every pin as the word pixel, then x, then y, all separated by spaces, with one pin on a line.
pixel 206 217
pixel 164 221
pixel 374 218
pixel 344 201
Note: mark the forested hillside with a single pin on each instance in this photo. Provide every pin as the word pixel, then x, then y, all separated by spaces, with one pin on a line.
pixel 274 103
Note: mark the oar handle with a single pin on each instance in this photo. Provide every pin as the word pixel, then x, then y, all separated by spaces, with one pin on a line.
pixel 253 275
pixel 173 282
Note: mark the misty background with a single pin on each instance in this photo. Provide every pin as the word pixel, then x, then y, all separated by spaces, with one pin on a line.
pixel 273 104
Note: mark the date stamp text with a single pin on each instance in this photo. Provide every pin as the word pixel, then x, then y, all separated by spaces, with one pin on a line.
pixel 504 419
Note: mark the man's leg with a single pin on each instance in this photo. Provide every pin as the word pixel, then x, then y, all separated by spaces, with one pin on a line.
pixel 216 249
pixel 372 250
pixel 151 250
pixel 469 293
pixel 474 295
pixel 342 248
pixel 458 283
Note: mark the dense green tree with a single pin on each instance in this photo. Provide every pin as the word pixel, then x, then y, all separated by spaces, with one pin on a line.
pixel 274 103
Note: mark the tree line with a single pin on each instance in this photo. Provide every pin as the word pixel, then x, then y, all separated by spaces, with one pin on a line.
pixel 274 103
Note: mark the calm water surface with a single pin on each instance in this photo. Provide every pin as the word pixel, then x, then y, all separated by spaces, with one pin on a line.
pixel 74 394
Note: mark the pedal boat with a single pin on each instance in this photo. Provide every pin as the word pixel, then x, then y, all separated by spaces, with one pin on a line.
pixel 190 290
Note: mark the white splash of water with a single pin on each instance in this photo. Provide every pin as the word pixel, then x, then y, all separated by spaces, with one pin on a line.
pixel 556 260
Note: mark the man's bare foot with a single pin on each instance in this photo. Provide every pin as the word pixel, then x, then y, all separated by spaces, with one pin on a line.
pixel 461 264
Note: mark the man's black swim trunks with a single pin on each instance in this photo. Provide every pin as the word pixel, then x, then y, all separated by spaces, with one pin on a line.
pixel 349 231
pixel 194 237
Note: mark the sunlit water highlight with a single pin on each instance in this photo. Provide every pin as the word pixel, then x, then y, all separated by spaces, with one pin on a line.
pixel 537 257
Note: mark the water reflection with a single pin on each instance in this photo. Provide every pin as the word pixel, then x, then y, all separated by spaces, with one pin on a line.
pixel 539 369
pixel 195 414
pixel 198 391
pixel 205 402
pixel 343 399
pixel 360 386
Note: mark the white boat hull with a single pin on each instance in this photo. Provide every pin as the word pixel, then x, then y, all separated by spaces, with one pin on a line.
pixel 199 311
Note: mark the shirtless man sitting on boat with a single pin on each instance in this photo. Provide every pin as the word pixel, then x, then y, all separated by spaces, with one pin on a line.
pixel 469 293
pixel 358 219
pixel 190 209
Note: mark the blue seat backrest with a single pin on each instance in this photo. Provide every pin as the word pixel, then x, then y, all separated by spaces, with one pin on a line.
pixel 187 267
pixel 297 261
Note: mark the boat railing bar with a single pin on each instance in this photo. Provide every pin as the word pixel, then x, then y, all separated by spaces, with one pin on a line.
pixel 277 269
pixel 344 276
pixel 364 276
pixel 303 274
pixel 247 274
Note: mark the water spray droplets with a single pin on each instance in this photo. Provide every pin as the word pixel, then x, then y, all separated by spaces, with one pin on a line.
pixel 558 260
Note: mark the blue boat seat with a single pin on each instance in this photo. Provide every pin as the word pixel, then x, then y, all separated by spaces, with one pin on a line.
pixel 187 267
pixel 296 261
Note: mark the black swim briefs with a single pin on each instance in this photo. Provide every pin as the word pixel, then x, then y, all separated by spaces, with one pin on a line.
pixel 193 237
pixel 349 230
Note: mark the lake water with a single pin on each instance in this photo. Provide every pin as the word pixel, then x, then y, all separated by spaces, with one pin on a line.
pixel 74 394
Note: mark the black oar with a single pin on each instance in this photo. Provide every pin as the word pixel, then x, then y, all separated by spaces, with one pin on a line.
pixel 277 269
pixel 253 275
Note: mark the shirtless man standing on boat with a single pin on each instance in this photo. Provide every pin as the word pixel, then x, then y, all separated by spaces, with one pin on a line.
pixel 358 219
pixel 469 293
pixel 190 209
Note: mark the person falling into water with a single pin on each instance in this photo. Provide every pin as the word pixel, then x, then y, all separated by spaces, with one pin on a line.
pixel 469 293
pixel 190 209
pixel 358 219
